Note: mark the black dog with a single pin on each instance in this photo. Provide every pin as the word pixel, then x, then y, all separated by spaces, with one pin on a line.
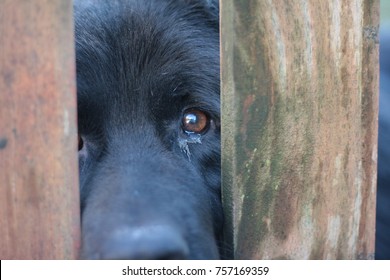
pixel 149 128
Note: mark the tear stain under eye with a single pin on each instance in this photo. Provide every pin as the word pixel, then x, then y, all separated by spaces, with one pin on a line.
pixel 192 139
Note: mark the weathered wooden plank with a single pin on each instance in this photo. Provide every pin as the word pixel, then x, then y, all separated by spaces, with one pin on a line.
pixel 39 201
pixel 299 127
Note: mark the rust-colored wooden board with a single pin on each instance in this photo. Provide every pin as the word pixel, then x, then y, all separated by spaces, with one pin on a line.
pixel 299 127
pixel 39 200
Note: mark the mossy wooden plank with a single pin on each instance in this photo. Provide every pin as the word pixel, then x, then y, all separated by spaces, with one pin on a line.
pixel 299 127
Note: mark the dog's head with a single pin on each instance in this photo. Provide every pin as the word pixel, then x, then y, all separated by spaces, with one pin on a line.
pixel 149 128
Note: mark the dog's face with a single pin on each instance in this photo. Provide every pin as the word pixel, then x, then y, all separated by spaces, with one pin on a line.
pixel 149 128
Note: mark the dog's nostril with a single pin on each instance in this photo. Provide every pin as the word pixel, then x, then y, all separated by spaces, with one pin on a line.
pixel 145 243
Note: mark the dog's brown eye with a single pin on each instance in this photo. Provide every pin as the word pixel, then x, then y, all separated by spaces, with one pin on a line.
pixel 195 121
pixel 81 143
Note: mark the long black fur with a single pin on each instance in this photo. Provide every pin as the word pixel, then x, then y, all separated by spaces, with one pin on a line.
pixel 149 190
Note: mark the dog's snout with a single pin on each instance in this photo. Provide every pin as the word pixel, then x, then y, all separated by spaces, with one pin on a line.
pixel 145 243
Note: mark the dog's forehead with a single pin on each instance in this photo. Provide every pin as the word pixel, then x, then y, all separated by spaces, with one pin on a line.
pixel 139 48
pixel 132 47
pixel 142 58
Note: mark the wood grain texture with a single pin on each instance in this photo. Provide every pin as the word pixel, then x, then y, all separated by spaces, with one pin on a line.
pixel 39 200
pixel 299 127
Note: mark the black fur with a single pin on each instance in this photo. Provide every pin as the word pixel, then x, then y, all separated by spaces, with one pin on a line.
pixel 149 190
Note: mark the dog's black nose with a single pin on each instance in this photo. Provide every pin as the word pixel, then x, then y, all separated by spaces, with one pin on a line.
pixel 145 243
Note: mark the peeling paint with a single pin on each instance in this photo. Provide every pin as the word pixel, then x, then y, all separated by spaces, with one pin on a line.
pixel 281 49
pixel 356 211
pixel 335 38
pixel 307 228
pixel 308 50
pixel 333 233
pixel 337 166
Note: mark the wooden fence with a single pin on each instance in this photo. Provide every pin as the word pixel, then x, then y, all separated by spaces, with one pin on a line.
pixel 299 127
pixel 39 200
